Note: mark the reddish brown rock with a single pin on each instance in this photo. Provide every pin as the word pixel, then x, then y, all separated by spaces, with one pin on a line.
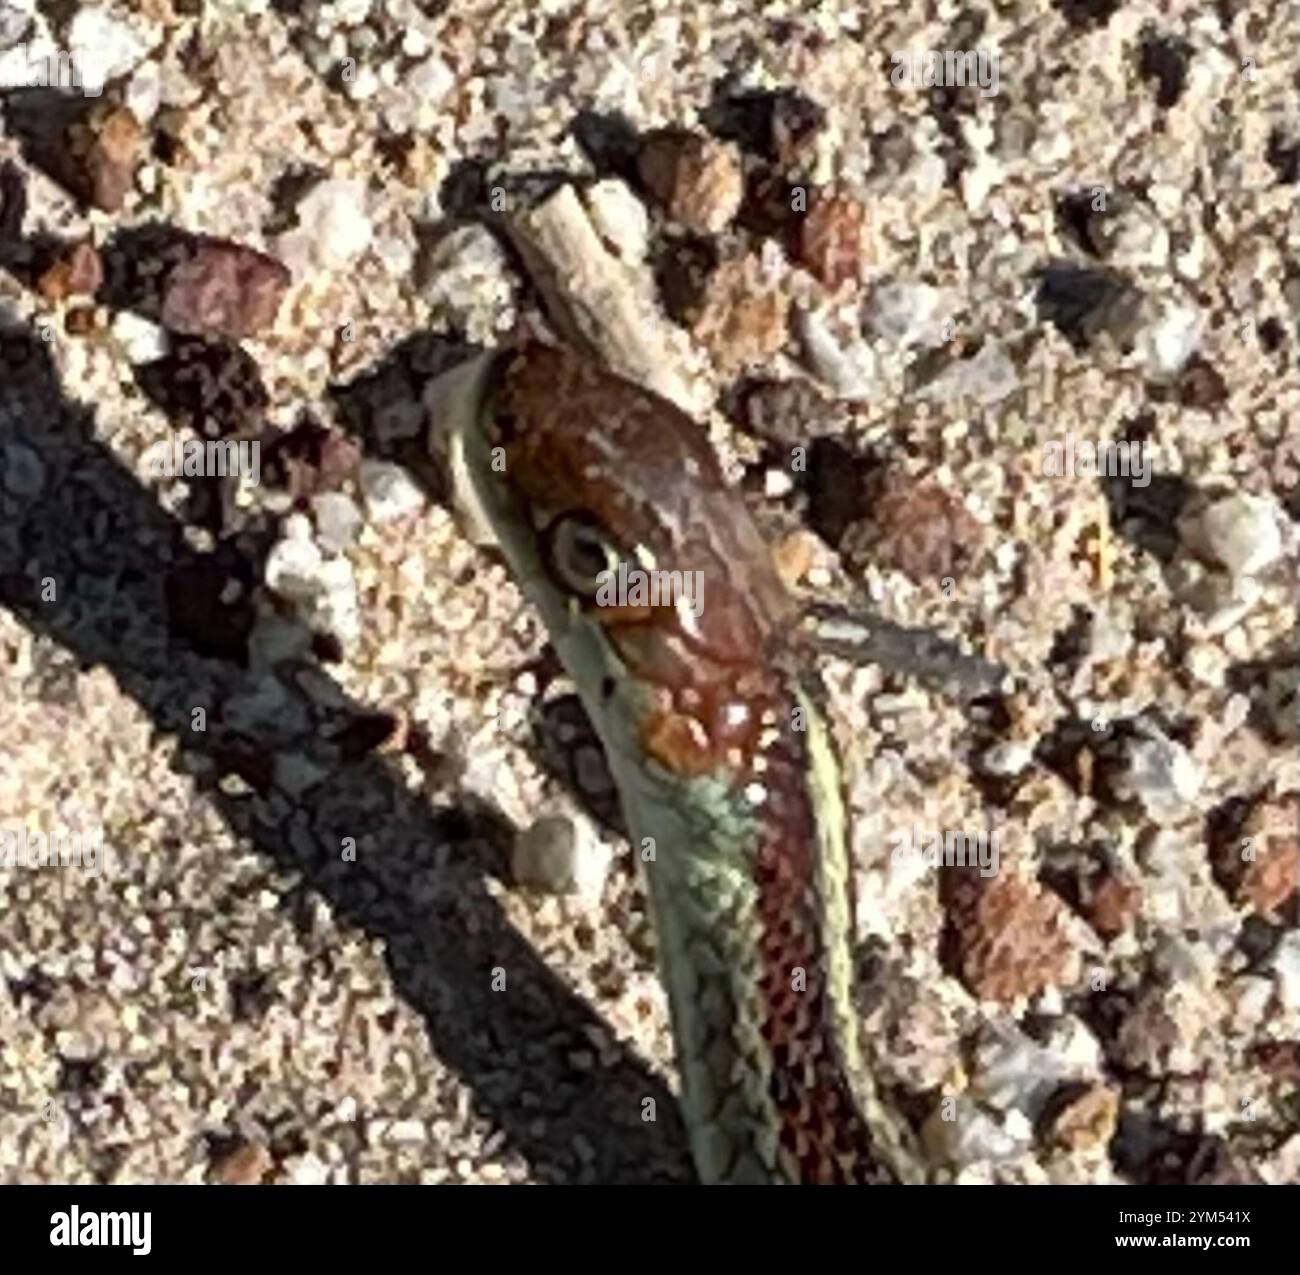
pixel 1269 884
pixel 245 1165
pixel 1259 864
pixel 309 459
pixel 1083 1117
pixel 697 179
pixel 224 289
pixel 76 270
pixel 833 240
pixel 1110 904
pixel 745 319
pixel 918 528
pixel 1007 938
pixel 107 149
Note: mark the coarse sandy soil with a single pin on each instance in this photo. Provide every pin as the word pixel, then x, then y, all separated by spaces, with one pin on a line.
pixel 313 721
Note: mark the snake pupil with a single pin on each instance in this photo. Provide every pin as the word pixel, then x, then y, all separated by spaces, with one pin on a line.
pixel 580 554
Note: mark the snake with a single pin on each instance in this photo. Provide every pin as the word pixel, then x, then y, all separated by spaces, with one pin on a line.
pixel 726 769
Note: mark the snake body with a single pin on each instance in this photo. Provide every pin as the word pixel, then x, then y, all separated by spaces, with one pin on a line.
pixel 727 774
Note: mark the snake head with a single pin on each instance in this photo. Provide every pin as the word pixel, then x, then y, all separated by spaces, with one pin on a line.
pixel 615 517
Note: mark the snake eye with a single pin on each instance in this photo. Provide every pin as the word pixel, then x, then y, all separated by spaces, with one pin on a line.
pixel 581 554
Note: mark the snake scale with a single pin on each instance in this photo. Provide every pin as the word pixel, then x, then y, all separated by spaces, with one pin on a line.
pixel 726 771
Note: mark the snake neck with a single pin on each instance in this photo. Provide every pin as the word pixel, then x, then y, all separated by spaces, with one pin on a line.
pixel 751 889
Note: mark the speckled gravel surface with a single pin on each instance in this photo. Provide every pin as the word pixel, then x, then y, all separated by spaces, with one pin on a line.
pixel 352 924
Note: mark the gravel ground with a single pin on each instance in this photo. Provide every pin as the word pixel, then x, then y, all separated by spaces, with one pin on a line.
pixel 355 921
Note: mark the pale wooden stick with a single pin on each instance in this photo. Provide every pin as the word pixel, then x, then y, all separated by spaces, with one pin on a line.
pixel 603 304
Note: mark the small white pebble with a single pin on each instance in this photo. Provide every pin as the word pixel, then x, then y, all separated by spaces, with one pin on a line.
pixel 1162 776
pixel 324 590
pixel 103 46
pixel 1171 340
pixel 333 222
pixel 1008 757
pixel 907 314
pixel 363 85
pixel 338 520
pixel 1240 532
pixel 986 378
pixel 414 43
pixel 431 80
pixel 389 491
pixel 1132 237
pixel 777 483
pixel 140 340
pixel 562 856
pixel 1206 663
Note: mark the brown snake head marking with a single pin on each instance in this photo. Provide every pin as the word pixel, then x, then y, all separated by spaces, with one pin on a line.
pixel 609 477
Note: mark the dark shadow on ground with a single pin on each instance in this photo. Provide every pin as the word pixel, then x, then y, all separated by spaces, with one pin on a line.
pixel 173 625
